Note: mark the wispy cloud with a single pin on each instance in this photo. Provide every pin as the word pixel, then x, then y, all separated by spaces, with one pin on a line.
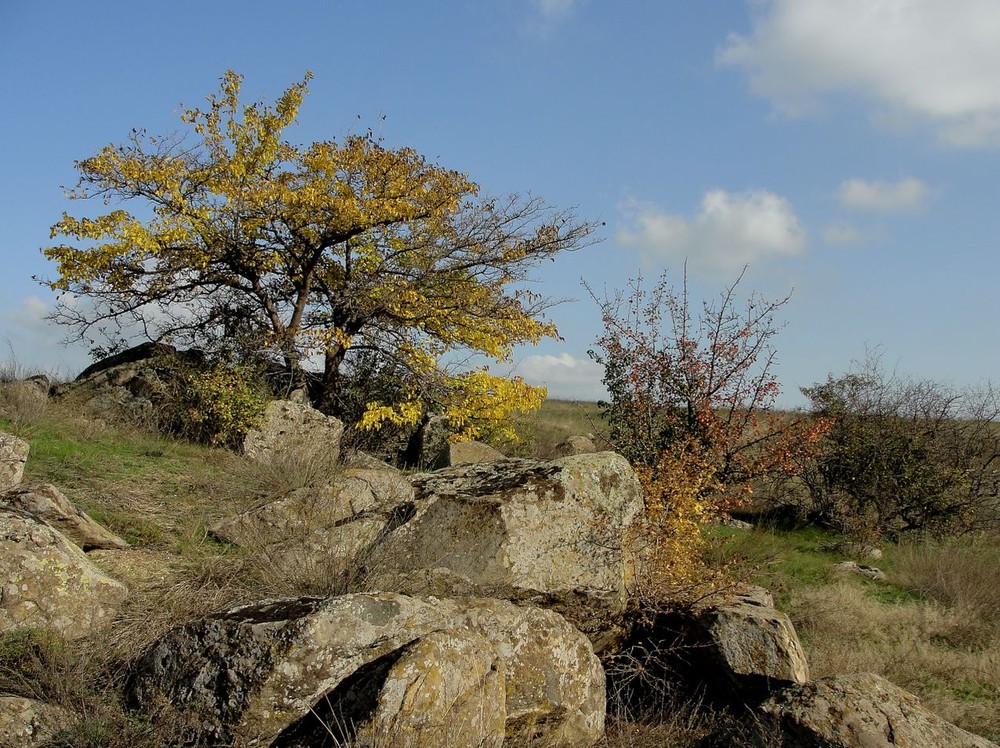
pixel 931 61
pixel 555 9
pixel 905 195
pixel 566 376
pixel 730 230
pixel 841 234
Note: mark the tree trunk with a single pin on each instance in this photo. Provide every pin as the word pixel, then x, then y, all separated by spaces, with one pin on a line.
pixel 329 394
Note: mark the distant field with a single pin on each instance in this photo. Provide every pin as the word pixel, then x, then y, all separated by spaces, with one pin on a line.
pixel 556 421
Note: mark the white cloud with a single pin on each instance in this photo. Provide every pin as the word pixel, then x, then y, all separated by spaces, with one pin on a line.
pixel 883 197
pixel 936 60
pixel 730 231
pixel 841 233
pixel 554 9
pixel 32 343
pixel 566 376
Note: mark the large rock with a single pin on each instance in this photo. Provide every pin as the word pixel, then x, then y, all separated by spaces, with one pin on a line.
pixel 27 723
pixel 48 581
pixel 736 650
pixel 294 427
pixel 13 456
pixel 862 710
pixel 331 526
pixel 47 503
pixel 548 533
pixel 380 668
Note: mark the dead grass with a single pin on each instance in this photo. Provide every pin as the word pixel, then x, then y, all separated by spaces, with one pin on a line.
pixel 949 658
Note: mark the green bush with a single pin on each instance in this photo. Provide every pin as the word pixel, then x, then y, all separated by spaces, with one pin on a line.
pixel 219 404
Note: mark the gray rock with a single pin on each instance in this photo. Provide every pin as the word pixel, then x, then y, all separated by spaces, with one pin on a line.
pixel 852 567
pixel 49 505
pixel 13 456
pixel 548 533
pixel 468 453
pixel 735 650
pixel 294 427
pixel 329 527
pixel 376 667
pixel 862 710
pixel 48 581
pixel 28 723
pixel 574 445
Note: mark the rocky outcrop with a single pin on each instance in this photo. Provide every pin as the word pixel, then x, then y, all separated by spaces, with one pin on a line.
pixel 547 533
pixel 45 502
pixel 332 525
pixel 861 709
pixel 48 581
pixel 291 427
pixel 28 723
pixel 13 456
pixel 370 667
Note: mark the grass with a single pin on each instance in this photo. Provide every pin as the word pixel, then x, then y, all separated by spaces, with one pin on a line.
pixel 556 421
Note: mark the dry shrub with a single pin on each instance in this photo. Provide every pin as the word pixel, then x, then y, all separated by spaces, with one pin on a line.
pixel 667 541
pixel 950 659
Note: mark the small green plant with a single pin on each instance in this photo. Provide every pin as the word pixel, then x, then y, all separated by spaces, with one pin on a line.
pixel 220 404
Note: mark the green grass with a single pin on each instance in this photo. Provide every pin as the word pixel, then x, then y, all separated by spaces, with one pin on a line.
pixel 556 421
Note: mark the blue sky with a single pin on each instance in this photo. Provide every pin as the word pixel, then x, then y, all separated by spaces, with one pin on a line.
pixel 846 149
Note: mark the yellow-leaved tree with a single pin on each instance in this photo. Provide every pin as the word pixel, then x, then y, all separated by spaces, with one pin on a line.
pixel 229 237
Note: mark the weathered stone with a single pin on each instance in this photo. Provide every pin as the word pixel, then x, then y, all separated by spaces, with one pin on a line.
pixel 548 533
pixel 288 672
pixel 293 427
pixel 449 688
pixel 357 459
pixel 27 723
pixel 862 710
pixel 736 650
pixel 853 567
pixel 47 503
pixel 468 453
pixel 13 456
pixel 329 527
pixel 49 581
pixel 574 445
pixel 754 642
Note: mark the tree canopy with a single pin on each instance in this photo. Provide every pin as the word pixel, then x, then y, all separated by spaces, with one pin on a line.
pixel 227 236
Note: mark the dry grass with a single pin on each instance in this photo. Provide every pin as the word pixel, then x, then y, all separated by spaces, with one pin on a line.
pixel 947 657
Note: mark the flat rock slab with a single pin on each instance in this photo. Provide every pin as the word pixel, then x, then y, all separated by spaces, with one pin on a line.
pixel 47 503
pixel 28 723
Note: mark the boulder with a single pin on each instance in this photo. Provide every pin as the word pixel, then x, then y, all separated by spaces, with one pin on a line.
pixel 468 453
pixel 735 650
pixel 48 581
pixel 45 502
pixel 574 445
pixel 861 709
pixel 294 427
pixel 28 723
pixel 376 668
pixel 547 533
pixel 13 456
pixel 863 570
pixel 332 526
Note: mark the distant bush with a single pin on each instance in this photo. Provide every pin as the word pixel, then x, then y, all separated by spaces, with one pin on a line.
pixel 904 455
